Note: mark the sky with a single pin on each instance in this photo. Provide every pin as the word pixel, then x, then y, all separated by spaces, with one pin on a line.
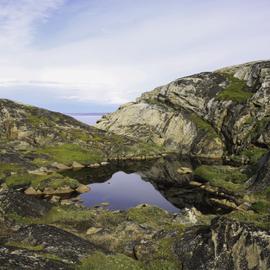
pixel 93 55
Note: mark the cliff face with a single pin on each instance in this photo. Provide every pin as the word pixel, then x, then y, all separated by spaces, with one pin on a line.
pixel 205 114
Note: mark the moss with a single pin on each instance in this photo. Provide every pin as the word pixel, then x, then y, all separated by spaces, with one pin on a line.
pixel 67 153
pixel 226 177
pixel 41 182
pixel 254 153
pixel 160 254
pixel 25 245
pixel 148 214
pixel 20 180
pixel 68 214
pixel 203 125
pixel 261 206
pixel 163 265
pixel 37 120
pixel 99 261
pixel 6 169
pixel 108 218
pixel 77 134
pixel 250 217
pixel 235 91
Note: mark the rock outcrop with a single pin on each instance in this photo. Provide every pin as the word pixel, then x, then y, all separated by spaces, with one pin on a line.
pixel 224 245
pixel 206 114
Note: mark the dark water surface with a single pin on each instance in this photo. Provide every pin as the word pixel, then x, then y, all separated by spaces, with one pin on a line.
pixel 123 191
pixel 158 182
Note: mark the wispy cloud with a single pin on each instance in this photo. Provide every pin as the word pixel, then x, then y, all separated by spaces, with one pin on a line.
pixel 18 20
pixel 109 51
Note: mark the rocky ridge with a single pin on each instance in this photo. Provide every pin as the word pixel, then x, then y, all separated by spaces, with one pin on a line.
pixel 210 114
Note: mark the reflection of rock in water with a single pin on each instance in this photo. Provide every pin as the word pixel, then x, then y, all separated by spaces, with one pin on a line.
pixel 165 172
pixel 170 176
pixel 188 196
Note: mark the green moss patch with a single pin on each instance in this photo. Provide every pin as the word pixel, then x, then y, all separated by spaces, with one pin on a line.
pixel 235 91
pixel 68 214
pixel 254 153
pixel 251 217
pixel 148 214
pixel 99 261
pixel 225 177
pixel 203 125
pixel 41 182
pixel 67 153
pixel 9 168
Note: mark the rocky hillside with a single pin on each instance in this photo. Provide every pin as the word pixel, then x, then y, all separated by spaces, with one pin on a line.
pixel 36 143
pixel 210 114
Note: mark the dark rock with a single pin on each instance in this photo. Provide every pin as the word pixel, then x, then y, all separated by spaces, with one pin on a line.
pixel 15 259
pixel 21 204
pixel 224 245
pixel 55 240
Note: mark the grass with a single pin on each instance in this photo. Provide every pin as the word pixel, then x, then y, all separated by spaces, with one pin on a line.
pixel 235 91
pixel 20 180
pixel 99 261
pixel 37 121
pixel 226 177
pixel 148 214
pixel 251 217
pixel 67 153
pixel 62 214
pixel 7 168
pixel 41 182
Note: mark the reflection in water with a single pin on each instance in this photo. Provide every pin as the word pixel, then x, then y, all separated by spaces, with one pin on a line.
pixel 123 191
pixel 157 182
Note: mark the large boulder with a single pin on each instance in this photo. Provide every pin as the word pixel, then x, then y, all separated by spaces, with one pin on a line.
pixel 224 245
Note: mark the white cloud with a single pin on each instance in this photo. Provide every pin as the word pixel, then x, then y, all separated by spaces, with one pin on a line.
pixel 17 19
pixel 119 63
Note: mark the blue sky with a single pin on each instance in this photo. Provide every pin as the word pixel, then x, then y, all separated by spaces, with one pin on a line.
pixel 92 55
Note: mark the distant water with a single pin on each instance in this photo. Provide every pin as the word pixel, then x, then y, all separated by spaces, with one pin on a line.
pixel 87 118
pixel 123 191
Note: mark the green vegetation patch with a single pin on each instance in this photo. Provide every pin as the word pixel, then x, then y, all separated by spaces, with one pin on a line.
pixel 258 219
pixel 261 206
pixel 148 214
pixel 254 153
pixel 99 261
pixel 41 182
pixel 6 169
pixel 235 91
pixel 68 215
pixel 67 153
pixel 227 177
pixel 203 125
